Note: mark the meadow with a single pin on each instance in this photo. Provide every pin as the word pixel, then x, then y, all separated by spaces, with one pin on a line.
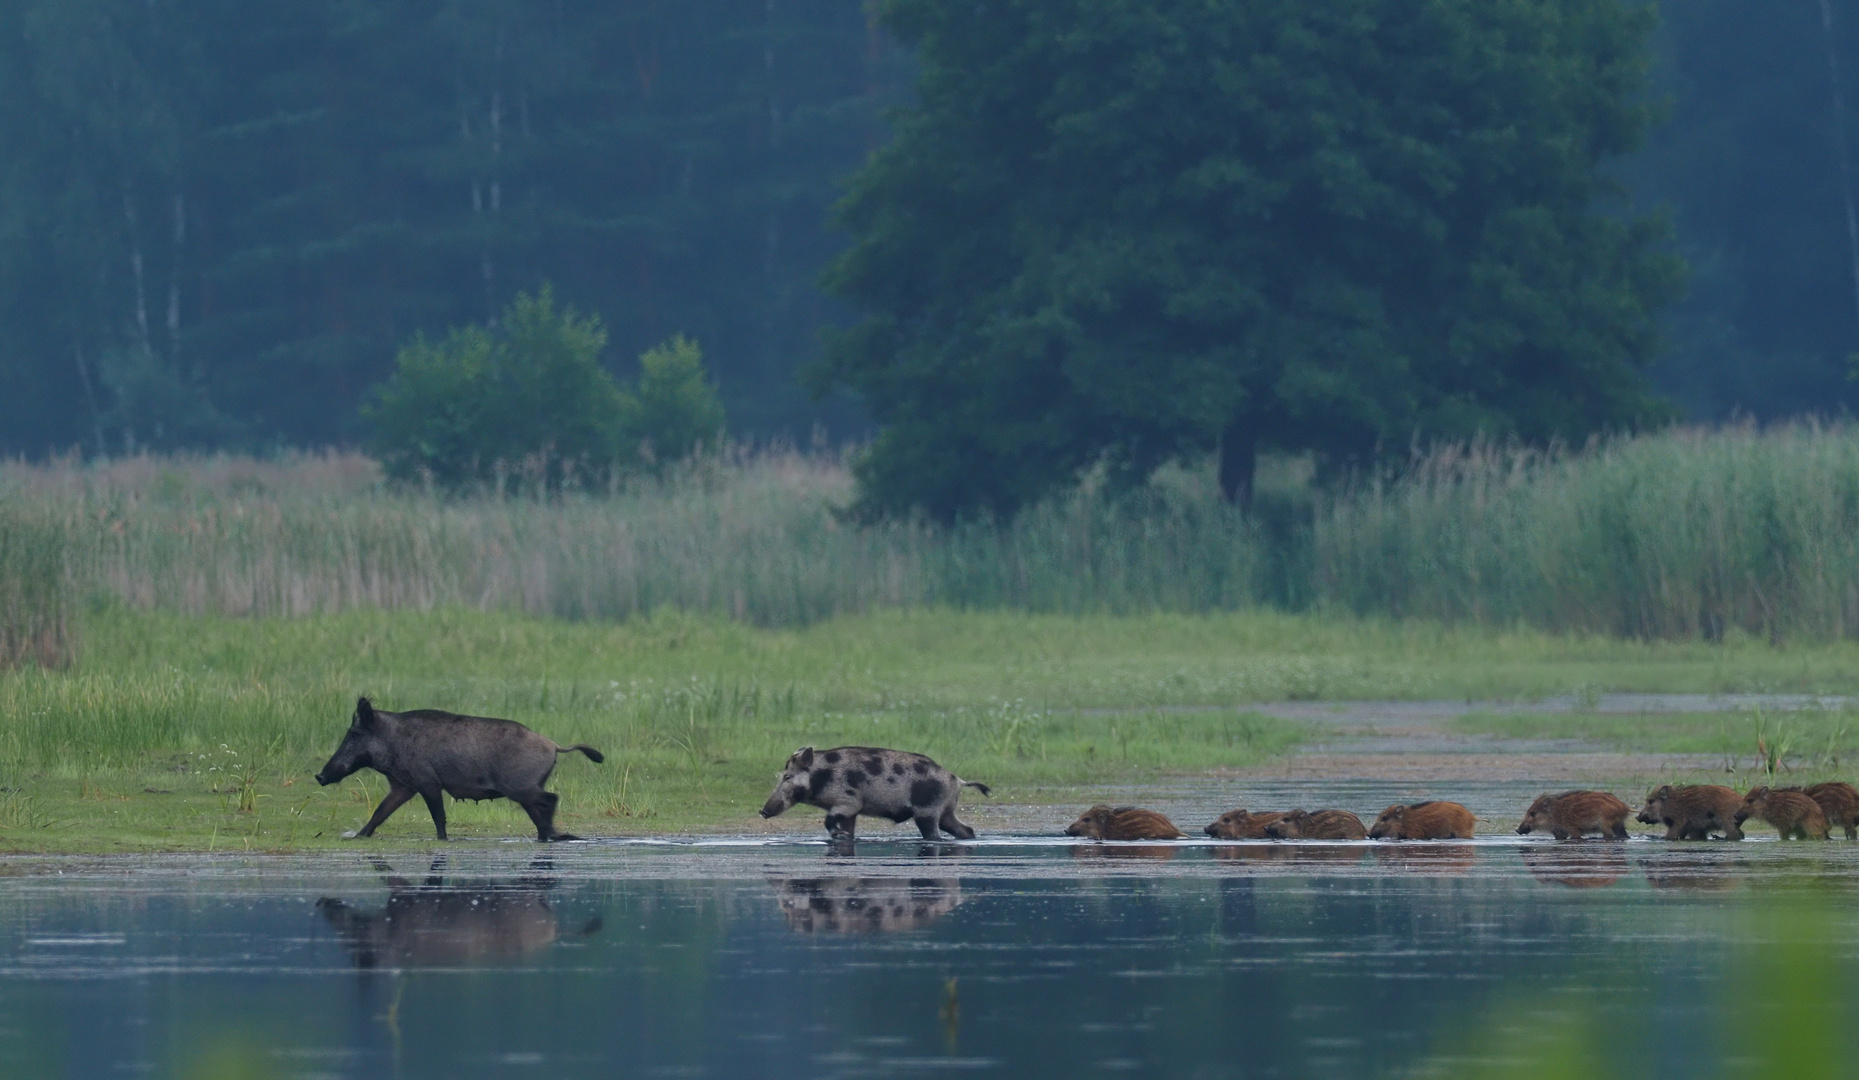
pixel 183 638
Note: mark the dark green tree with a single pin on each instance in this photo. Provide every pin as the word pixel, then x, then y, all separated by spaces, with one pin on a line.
pixel 1127 231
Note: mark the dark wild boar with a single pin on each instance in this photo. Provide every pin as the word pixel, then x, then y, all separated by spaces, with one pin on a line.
pixel 1242 824
pixel 1424 821
pixel 1694 811
pixel 432 754
pixel 851 780
pixel 1123 823
pixel 1322 825
pixel 1573 814
pixel 1793 814
pixel 432 924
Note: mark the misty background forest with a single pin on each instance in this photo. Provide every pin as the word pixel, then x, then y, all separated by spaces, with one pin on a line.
pixel 219 221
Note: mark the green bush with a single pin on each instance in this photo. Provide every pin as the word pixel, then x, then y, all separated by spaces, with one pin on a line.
pixel 527 399
pixel 673 411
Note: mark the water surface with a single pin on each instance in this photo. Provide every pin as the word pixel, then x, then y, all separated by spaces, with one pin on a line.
pixel 1000 958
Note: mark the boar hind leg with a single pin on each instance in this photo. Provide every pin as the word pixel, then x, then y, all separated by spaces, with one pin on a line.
pixel 928 827
pixel 397 797
pixel 954 827
pixel 435 802
pixel 541 810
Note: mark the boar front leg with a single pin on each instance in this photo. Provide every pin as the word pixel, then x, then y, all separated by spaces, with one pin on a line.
pixel 842 823
pixel 397 797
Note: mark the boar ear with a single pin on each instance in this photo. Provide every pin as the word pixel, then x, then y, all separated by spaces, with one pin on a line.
pixel 804 756
pixel 364 713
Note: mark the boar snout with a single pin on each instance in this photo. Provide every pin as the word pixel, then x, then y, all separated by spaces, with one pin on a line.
pixel 773 807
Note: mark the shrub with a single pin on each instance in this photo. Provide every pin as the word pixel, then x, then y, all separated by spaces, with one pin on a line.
pixel 528 396
pixel 674 410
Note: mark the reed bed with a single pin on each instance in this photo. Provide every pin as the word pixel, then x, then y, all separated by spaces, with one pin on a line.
pixel 756 537
pixel 1687 534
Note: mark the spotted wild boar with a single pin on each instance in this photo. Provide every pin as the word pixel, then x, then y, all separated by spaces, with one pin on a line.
pixel 1322 825
pixel 1693 811
pixel 1793 814
pixel 1242 824
pixel 1429 820
pixel 430 753
pixel 894 784
pixel 1103 822
pixel 1574 814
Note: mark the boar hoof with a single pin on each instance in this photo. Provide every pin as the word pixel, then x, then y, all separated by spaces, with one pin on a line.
pixel 351 834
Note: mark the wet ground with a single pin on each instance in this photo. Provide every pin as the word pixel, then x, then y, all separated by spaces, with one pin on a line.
pixel 1007 957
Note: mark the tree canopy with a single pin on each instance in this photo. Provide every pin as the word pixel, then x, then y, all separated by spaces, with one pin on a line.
pixel 1124 231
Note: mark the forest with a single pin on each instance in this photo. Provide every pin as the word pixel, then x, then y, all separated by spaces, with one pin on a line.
pixel 219 221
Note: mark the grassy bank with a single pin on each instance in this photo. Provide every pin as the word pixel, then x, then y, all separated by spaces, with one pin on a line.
pixel 203 731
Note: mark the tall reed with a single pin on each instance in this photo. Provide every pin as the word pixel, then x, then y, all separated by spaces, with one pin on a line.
pixel 1688 533
pixel 35 622
pixel 1684 534
pixel 750 536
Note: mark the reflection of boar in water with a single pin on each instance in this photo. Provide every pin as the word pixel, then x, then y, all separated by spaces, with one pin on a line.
pixel 1424 821
pixel 432 754
pixel 1133 851
pixel 1123 823
pixel 864 905
pixel 1589 866
pixel 1840 802
pixel 1242 824
pixel 1322 825
pixel 851 780
pixel 1793 814
pixel 1426 860
pixel 1693 811
pixel 1573 814
pixel 436 925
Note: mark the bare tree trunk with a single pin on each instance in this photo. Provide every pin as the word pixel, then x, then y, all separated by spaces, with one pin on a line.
pixel 1239 461
pixel 1839 130
pixel 174 281
pixel 90 394
pixel 135 267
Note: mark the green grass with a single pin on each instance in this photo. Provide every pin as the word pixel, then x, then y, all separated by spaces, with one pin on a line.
pixel 169 724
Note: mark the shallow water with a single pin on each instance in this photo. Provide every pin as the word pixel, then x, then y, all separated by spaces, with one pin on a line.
pixel 1001 957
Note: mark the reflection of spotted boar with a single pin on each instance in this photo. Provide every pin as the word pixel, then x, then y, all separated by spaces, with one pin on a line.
pixel 852 780
pixel 1693 811
pixel 864 905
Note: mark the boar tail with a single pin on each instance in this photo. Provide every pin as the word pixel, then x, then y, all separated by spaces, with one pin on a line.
pixel 978 786
pixel 593 755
